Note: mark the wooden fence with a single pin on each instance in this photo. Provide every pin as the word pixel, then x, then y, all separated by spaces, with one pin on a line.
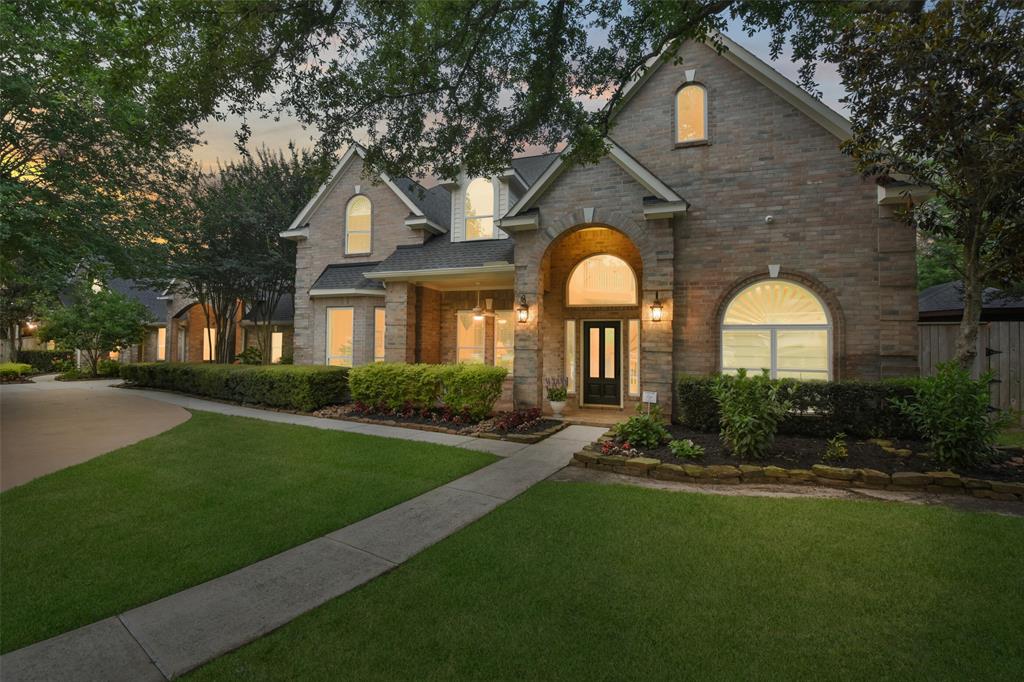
pixel 1000 349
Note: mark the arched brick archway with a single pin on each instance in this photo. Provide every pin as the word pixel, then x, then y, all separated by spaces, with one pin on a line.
pixel 544 260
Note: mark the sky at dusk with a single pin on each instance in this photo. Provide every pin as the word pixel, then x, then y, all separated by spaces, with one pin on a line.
pixel 220 141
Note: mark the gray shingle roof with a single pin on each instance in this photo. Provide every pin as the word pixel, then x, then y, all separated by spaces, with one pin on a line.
pixel 532 167
pixel 436 202
pixel 147 297
pixel 439 252
pixel 948 298
pixel 284 313
pixel 346 276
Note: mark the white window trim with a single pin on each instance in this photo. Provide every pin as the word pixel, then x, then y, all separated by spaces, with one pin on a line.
pixel 629 350
pixel 572 374
pixel 675 108
pixel 493 215
pixel 327 335
pixel 494 349
pixel 348 206
pixel 459 346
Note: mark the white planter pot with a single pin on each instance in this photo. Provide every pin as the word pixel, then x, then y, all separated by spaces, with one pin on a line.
pixel 557 406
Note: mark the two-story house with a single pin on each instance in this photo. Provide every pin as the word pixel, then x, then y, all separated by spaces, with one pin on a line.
pixel 724 229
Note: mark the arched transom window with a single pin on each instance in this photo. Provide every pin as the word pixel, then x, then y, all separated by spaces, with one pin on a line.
pixel 779 326
pixel 480 209
pixel 358 225
pixel 691 113
pixel 602 280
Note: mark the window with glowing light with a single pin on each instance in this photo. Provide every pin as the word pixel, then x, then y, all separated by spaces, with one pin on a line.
pixel 378 334
pixel 480 209
pixel 600 281
pixel 469 338
pixel 504 339
pixel 358 225
pixel 339 336
pixel 691 113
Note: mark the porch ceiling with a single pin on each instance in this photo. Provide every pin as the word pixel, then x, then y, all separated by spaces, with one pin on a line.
pixel 497 276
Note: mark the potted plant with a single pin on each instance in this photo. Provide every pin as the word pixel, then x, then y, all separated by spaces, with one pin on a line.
pixel 558 391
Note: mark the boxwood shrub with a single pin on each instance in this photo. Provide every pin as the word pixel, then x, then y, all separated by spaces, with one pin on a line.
pixel 298 387
pixel 463 389
pixel 861 409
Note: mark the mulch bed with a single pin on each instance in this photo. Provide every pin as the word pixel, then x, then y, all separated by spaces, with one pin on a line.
pixel 434 423
pixel 799 452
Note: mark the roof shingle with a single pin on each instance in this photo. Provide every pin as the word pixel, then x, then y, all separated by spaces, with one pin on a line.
pixel 439 253
pixel 346 276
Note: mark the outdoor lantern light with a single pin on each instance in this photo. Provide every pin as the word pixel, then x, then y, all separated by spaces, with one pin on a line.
pixel 523 311
pixel 656 308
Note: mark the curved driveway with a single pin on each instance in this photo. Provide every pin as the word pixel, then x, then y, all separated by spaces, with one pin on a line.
pixel 50 425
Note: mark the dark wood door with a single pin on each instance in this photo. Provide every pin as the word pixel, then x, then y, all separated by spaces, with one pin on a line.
pixel 602 354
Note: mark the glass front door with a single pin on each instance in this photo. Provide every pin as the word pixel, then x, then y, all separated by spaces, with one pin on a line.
pixel 602 353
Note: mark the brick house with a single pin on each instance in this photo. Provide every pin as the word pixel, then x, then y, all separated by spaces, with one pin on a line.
pixel 723 229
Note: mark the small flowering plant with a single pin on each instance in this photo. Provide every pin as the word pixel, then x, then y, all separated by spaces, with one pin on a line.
pixel 625 449
pixel 558 389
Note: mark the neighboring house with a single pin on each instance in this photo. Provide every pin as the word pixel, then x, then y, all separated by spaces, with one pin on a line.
pixel 724 229
pixel 1000 338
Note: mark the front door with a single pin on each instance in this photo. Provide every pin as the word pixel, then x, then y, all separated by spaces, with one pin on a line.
pixel 602 350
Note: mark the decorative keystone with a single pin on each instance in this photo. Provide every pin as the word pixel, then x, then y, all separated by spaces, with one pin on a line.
pixel 946 479
pixel 909 478
pixel 835 473
pixel 642 463
pixel 722 471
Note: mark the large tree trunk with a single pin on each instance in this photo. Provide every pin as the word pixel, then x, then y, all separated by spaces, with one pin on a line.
pixel 967 339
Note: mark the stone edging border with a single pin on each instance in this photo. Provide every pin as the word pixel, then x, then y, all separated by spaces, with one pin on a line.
pixel 944 482
pixel 528 438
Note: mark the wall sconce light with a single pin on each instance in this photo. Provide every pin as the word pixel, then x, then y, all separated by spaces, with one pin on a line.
pixel 656 308
pixel 523 311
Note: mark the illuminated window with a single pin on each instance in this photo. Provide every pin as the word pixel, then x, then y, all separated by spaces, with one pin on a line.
pixel 634 357
pixel 339 337
pixel 691 113
pixel 378 334
pixel 504 339
pixel 480 209
pixel 209 343
pixel 276 346
pixel 114 355
pixel 570 354
pixel 602 280
pixel 778 326
pixel 469 338
pixel 161 341
pixel 358 225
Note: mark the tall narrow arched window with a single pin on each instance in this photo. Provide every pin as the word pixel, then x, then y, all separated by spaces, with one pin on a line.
pixel 601 280
pixel 779 326
pixel 480 209
pixel 358 225
pixel 691 113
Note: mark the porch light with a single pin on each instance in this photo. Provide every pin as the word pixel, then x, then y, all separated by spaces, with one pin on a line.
pixel 656 308
pixel 523 311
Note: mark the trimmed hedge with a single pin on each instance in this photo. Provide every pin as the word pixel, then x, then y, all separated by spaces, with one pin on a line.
pixel 12 371
pixel 43 360
pixel 463 389
pixel 860 409
pixel 298 387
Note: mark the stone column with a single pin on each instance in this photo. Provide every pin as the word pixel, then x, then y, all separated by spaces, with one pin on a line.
pixel 528 365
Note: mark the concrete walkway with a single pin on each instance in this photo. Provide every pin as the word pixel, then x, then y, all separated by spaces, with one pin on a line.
pixel 169 637
pixel 50 425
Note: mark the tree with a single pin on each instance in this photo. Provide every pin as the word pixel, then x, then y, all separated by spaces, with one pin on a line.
pixel 938 261
pixel 95 321
pixel 937 102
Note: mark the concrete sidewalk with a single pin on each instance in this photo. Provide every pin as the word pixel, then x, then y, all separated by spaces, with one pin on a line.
pixel 169 637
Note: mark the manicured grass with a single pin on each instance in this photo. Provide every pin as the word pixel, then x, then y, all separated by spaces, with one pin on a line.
pixel 1012 436
pixel 205 498
pixel 584 581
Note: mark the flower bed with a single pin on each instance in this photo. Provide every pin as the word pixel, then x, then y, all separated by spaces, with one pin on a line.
pixel 892 470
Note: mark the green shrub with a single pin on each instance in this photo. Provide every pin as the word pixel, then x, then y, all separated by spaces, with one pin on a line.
pixel 836 450
pixel 952 411
pixel 557 389
pixel 862 409
pixel 686 449
pixel 464 389
pixel 749 410
pixel 252 355
pixel 108 368
pixel 12 371
pixel 299 387
pixel 46 360
pixel 644 429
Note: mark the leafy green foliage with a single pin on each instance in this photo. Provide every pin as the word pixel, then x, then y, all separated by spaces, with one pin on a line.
pixel 557 388
pixel 297 387
pixel 750 410
pixel 471 389
pixel 952 411
pixel 95 322
pixel 12 371
pixel 686 449
pixel 45 360
pixel 464 389
pixel 836 449
pixel 938 261
pixel 250 356
pixel 697 406
pixel 645 429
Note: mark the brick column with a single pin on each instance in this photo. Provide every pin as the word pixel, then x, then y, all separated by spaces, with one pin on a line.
pixel 528 365
pixel 400 322
pixel 897 297
pixel 657 372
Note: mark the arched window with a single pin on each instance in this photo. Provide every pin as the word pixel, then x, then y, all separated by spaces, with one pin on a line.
pixel 358 225
pixel 779 326
pixel 691 113
pixel 601 280
pixel 480 209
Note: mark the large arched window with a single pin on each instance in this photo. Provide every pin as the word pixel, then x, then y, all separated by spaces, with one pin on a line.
pixel 480 209
pixel 358 225
pixel 601 280
pixel 691 113
pixel 779 326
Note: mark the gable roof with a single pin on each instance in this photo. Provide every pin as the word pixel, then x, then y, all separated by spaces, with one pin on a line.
pixel 946 301
pixel 530 168
pixel 403 188
pixel 434 203
pixel 346 277
pixel 284 311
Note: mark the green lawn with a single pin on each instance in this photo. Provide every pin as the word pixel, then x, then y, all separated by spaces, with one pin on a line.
pixel 584 581
pixel 1012 436
pixel 207 497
